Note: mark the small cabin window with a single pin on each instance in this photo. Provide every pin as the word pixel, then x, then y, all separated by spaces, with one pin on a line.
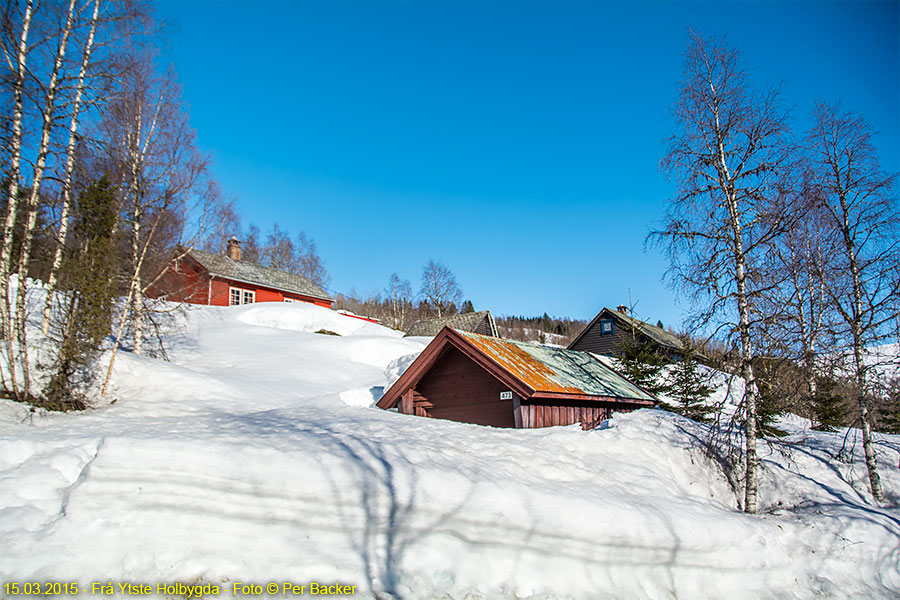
pixel 606 327
pixel 177 265
pixel 289 300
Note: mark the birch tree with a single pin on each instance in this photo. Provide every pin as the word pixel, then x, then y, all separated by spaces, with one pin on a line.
pixel 44 78
pixel 309 263
pixel 862 281
pixel 16 52
pixel 279 252
pixel 399 299
pixel 726 159
pixel 164 180
pixel 68 175
pixel 439 289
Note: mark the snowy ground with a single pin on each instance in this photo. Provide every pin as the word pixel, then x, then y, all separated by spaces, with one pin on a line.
pixel 255 456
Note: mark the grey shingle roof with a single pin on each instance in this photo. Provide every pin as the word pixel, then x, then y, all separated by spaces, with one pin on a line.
pixel 657 334
pixel 478 322
pixel 252 273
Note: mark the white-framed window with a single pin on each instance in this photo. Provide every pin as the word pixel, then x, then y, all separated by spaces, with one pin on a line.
pixel 289 300
pixel 606 327
pixel 238 296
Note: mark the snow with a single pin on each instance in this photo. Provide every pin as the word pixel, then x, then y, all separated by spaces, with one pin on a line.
pixel 255 455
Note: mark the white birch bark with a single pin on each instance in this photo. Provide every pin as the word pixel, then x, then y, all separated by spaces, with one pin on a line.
pixel 6 325
pixel 860 200
pixel 727 187
pixel 31 206
pixel 70 169
pixel 129 302
pixel 137 297
pixel 138 145
pixel 858 362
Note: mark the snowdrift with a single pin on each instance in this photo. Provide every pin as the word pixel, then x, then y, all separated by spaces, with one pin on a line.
pixel 255 456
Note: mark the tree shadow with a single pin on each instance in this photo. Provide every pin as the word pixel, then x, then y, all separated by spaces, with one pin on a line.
pixel 379 515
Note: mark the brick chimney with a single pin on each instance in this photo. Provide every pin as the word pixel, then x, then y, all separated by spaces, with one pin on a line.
pixel 234 249
pixel 621 308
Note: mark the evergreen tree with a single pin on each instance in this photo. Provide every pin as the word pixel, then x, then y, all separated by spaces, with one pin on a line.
pixel 769 403
pixel 642 364
pixel 889 411
pixel 85 316
pixel 688 387
pixel 828 407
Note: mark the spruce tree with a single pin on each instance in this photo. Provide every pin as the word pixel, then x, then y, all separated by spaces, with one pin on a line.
pixel 688 387
pixel 889 411
pixel 83 318
pixel 769 403
pixel 642 364
pixel 828 407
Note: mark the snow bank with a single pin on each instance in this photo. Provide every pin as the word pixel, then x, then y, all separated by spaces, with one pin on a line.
pixel 254 456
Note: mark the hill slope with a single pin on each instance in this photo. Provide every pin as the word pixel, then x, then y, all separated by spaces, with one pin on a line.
pixel 255 456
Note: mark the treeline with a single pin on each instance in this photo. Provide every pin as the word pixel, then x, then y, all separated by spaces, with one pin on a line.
pixel 398 307
pixel 544 329
pixel 787 245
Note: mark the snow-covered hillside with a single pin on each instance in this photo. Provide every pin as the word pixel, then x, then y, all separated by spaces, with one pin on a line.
pixel 255 456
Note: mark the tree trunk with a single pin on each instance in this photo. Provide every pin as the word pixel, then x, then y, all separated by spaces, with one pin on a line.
pixel 67 181
pixel 740 277
pixel 34 196
pixel 856 329
pixel 137 297
pixel 18 85
pixel 129 302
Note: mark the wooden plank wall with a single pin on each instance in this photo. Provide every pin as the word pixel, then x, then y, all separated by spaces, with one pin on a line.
pixel 588 414
pixel 593 341
pixel 459 390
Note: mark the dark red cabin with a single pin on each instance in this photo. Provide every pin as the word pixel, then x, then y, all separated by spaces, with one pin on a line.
pixel 472 378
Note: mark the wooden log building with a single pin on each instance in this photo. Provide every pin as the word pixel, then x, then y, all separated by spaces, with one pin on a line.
pixel 472 378
pixel 611 328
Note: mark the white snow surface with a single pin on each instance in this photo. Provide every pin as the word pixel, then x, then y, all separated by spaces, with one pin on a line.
pixel 255 455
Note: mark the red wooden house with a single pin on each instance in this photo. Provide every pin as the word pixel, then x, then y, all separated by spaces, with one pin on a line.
pixel 472 378
pixel 200 277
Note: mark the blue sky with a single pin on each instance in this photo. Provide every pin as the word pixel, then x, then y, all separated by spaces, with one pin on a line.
pixel 516 142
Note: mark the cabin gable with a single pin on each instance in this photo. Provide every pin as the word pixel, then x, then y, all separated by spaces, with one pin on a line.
pixel 603 336
pixel 457 389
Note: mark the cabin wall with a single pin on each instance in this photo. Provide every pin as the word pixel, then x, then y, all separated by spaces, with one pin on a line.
pixel 221 295
pixel 186 284
pixel 537 414
pixel 457 389
pixel 593 341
